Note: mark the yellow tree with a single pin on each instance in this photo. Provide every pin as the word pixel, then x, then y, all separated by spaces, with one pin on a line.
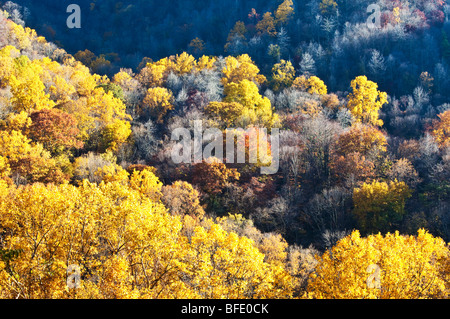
pixel 366 101
pixel 283 74
pixel 147 184
pixel 257 109
pixel 183 63
pixel 284 12
pixel 378 206
pixel 224 265
pixel 114 135
pixel 154 74
pixel 123 244
pixel 157 102
pixel 227 114
pixel 312 85
pixel 29 162
pixel 267 25
pixel 386 267
pixel 28 91
pixel 328 6
pixel 239 69
pixel 237 33
pixel 441 129
pixel 181 198
pixel 205 62
pixel 7 55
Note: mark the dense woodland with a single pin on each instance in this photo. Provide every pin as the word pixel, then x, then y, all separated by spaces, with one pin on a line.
pixel 87 179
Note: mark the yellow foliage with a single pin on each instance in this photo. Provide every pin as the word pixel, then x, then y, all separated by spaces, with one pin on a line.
pixel 284 12
pixel 158 101
pixel 267 25
pixel 7 55
pixel 410 268
pixel 283 74
pixel 227 113
pixel 125 246
pixel 257 109
pixel 312 85
pixel 378 205
pixel 441 129
pixel 147 184
pixel 155 74
pixel 224 265
pixel 115 134
pixel 205 62
pixel 184 63
pixel 28 91
pixel 4 168
pixel 239 69
pixel 396 13
pixel 112 173
pixel 16 122
pixel 328 6
pixel 366 101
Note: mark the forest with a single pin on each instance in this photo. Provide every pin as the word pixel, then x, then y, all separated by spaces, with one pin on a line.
pixel 93 206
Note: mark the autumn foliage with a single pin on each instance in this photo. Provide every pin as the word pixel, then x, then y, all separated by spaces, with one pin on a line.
pixel 410 267
pixel 86 178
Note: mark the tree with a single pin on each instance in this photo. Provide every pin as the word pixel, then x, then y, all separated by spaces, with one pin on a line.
pixel 28 91
pixel 197 45
pixel 380 205
pixel 239 69
pixel 181 198
pixel 224 265
pixel 236 35
pixel 364 139
pixel 28 162
pixel 329 210
pixel 441 129
pixel 311 84
pixel 352 168
pixel 112 173
pixel 157 103
pixel 212 176
pixel 258 109
pixel 328 7
pixel 147 184
pixel 284 12
pixel 155 73
pixel 56 130
pixel 7 55
pixel 267 25
pixel 226 113
pixel 366 101
pixel 125 245
pixel 410 267
pixel 404 171
pixel 283 74
pixel 114 135
pixel 183 63
pixel 206 62
pixel 377 63
pixel 307 64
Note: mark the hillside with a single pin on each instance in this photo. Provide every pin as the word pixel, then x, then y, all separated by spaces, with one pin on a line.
pixel 102 170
